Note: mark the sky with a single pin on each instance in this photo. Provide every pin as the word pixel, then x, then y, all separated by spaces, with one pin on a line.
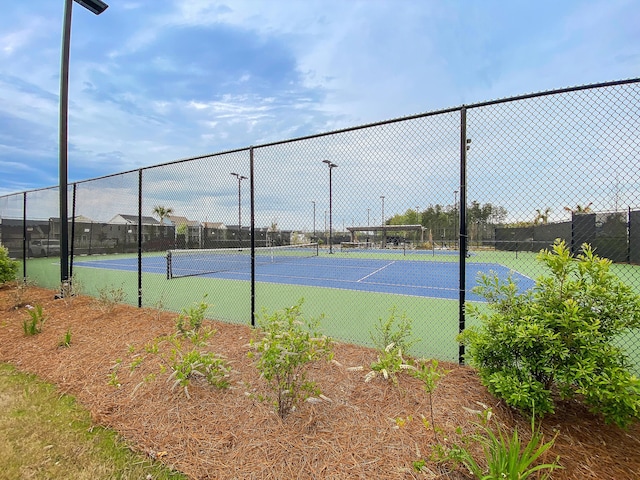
pixel 156 81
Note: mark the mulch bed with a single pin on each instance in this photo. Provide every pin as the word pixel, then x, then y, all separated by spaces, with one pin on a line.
pixel 361 430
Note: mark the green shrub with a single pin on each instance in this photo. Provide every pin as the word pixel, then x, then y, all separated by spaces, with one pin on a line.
pixel 33 325
pixel 189 323
pixel 285 347
pixel 392 339
pixel 214 369
pixel 558 336
pixel 8 267
pixel 428 374
pixel 505 455
pixel 390 362
pixel 65 341
pixel 396 330
pixel 20 292
pixel 108 297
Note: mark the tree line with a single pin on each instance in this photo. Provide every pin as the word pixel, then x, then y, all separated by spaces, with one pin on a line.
pixel 441 221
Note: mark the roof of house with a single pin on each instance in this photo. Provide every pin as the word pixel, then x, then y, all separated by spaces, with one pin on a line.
pixel 218 225
pixel 177 220
pixel 122 218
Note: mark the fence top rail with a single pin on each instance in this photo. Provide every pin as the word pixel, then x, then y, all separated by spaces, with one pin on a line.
pixel 516 98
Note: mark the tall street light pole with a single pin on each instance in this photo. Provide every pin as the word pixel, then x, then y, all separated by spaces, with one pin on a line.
pixel 314 218
pixel 96 7
pixel 384 232
pixel 331 166
pixel 240 178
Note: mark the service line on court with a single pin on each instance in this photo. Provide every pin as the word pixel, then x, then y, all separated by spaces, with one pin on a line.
pixel 376 271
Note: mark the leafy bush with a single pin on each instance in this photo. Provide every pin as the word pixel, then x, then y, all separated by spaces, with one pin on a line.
pixel 558 336
pixel 394 330
pixel 392 339
pixel 287 344
pixel 20 292
pixel 109 297
pixel 390 362
pixel 214 369
pixel 8 267
pixel 428 374
pixel 189 323
pixel 33 325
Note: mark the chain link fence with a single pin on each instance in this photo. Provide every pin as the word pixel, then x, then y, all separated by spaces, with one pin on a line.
pixel 394 218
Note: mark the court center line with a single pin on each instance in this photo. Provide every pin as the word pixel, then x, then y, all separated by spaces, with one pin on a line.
pixel 375 271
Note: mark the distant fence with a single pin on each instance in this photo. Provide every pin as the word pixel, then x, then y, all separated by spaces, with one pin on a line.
pixel 609 233
pixel 489 183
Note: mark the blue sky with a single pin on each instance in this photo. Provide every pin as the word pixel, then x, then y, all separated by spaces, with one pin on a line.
pixel 152 82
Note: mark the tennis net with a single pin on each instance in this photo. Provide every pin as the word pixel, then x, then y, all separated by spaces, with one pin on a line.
pixel 192 262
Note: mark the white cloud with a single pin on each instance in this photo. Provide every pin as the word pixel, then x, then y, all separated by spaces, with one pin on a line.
pixel 196 77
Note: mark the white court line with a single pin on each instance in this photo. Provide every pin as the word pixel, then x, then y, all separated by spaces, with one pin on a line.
pixel 376 271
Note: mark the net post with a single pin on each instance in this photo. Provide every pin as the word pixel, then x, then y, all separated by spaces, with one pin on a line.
pixel 168 264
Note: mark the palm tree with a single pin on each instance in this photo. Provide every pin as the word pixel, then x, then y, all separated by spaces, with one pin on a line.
pixel 542 216
pixel 162 212
pixel 580 209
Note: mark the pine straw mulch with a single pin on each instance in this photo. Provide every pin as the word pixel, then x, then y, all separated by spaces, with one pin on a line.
pixel 363 430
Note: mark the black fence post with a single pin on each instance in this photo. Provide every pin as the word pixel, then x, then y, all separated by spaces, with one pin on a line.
pixel 253 237
pixel 462 221
pixel 140 238
pixel 628 252
pixel 73 232
pixel 24 236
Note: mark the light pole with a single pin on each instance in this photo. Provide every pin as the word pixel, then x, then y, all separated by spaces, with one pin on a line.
pixel 331 166
pixel 314 218
pixel 240 178
pixel 455 217
pixel 417 220
pixel 368 214
pixel 384 232
pixel 96 7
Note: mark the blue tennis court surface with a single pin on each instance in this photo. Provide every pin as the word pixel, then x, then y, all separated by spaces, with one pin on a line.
pixel 402 277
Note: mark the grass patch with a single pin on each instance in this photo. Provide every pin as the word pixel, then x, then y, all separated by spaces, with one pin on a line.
pixel 48 435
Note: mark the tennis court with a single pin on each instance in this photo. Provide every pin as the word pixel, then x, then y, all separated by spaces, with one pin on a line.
pixel 419 275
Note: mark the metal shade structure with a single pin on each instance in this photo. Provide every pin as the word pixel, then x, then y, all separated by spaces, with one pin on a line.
pixel 96 7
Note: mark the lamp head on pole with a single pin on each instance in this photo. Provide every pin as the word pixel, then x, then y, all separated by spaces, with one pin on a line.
pixel 94 6
pixel 238 176
pixel 329 163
